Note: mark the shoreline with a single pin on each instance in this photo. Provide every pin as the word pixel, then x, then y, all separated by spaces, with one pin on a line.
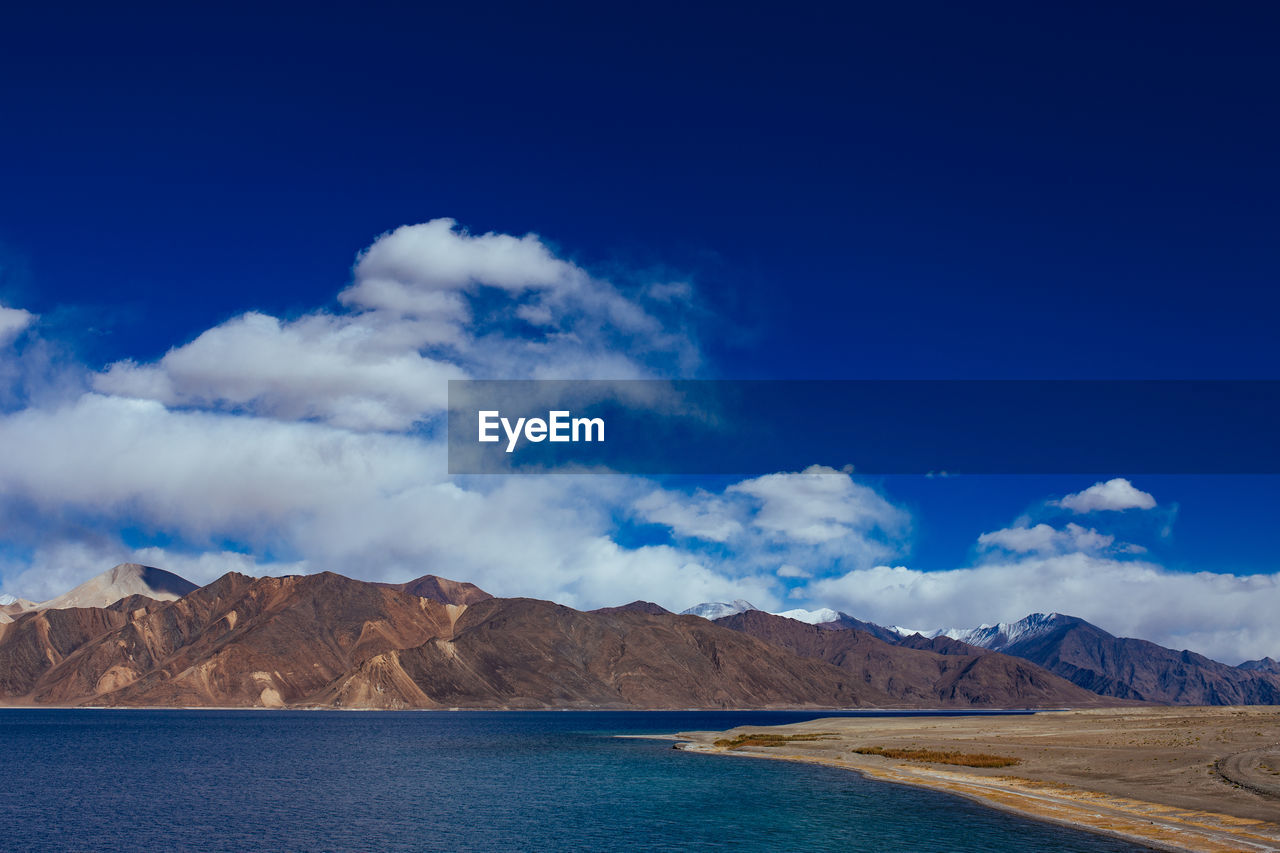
pixel 1166 808
pixel 869 713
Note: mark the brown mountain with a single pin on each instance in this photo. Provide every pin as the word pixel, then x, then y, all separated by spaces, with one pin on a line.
pixel 1267 665
pixel 845 621
pixel 1129 668
pixel 442 590
pixel 1121 667
pixel 524 653
pixel 919 676
pixel 327 640
pixel 11 607
pixel 238 641
pixel 939 645
pixel 37 641
pixel 635 607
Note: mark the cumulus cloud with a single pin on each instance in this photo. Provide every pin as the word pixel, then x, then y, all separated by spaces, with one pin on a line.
pixel 701 516
pixel 1045 539
pixel 428 303
pixel 790 571
pixel 300 438
pixel 1225 616
pixel 272 445
pixel 804 521
pixel 435 256
pixel 340 370
pixel 12 323
pixel 819 505
pixel 369 505
pixel 1113 495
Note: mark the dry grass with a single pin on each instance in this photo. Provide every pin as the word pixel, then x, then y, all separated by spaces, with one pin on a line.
pixel 937 756
pixel 766 739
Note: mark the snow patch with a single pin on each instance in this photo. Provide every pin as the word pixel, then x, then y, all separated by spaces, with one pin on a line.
pixel 719 609
pixel 821 616
pixel 1004 634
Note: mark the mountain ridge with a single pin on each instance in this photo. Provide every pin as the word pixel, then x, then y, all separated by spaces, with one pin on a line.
pixel 329 640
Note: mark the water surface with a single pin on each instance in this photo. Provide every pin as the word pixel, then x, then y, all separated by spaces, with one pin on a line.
pixel 460 781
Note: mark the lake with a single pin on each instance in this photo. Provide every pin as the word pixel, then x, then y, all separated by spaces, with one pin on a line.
pixel 457 781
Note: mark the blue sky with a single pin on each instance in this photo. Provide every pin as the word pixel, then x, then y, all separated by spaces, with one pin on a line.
pixel 932 192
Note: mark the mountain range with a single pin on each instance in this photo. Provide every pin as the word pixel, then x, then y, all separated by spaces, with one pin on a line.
pixel 140 636
pixel 1124 667
pixel 326 640
pixel 1096 660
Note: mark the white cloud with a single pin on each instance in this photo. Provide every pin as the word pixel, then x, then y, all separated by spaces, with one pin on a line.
pixel 295 437
pixel 701 516
pixel 369 505
pixel 1113 495
pixel 790 571
pixel 1045 539
pixel 281 436
pixel 819 505
pixel 807 522
pixel 415 319
pixel 12 322
pixel 340 370
pixel 1227 617
pixel 413 260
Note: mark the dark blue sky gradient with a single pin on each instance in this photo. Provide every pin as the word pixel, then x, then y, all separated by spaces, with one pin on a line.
pixel 926 190
pixel 923 190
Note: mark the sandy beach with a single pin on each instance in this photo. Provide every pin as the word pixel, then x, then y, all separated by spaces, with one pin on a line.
pixel 1194 779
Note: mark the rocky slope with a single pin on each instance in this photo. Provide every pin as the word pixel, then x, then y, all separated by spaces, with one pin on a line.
pixel 442 590
pixel 1137 669
pixel 327 640
pixel 919 676
pixel 1100 662
pixel 523 653
pixel 1268 665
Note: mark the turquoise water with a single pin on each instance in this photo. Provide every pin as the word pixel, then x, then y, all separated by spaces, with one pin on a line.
pixel 462 781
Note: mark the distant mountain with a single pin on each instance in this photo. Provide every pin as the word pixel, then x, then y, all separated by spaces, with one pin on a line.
pixel 823 617
pixel 120 582
pixel 845 621
pixel 328 641
pixel 11 606
pixel 635 607
pixel 325 640
pixel 442 590
pixel 811 617
pixel 938 645
pixel 1268 665
pixel 1122 667
pixel 1091 658
pixel 919 677
pixel 1005 634
pixel 716 609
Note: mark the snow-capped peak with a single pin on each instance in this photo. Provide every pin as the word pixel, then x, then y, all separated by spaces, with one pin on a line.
pixel 1002 635
pixel 814 617
pixel 719 609
pixel 6 599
